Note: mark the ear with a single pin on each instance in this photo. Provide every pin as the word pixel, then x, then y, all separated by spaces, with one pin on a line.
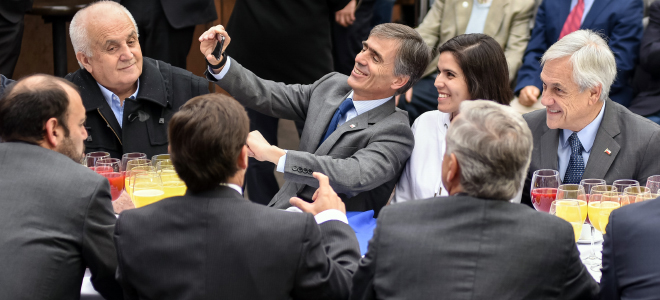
pixel 399 82
pixel 242 162
pixel 454 170
pixel 53 133
pixel 84 60
pixel 594 94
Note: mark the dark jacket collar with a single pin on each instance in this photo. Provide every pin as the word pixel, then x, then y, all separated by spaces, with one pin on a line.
pixel 216 192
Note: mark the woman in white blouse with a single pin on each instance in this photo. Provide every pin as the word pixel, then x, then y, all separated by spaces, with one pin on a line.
pixel 470 66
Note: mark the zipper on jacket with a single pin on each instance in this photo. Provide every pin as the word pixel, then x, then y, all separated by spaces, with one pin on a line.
pixel 106 122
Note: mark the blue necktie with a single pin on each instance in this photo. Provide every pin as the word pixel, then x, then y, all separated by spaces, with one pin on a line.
pixel 576 163
pixel 339 114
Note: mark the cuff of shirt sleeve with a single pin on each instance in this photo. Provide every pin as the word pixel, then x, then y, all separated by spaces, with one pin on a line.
pixel 224 71
pixel 281 161
pixel 330 215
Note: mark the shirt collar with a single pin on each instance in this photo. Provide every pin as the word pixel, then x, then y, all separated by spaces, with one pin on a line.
pixel 587 135
pixel 107 94
pixel 233 186
pixel 367 105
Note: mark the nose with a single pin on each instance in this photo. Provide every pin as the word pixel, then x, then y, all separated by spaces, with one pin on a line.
pixel 547 100
pixel 84 133
pixel 126 53
pixel 360 58
pixel 439 82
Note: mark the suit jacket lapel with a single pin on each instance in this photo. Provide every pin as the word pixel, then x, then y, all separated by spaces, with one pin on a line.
pixel 323 119
pixel 94 101
pixel 496 16
pixel 358 123
pixel 563 9
pixel 599 161
pixel 461 17
pixel 592 16
pixel 549 144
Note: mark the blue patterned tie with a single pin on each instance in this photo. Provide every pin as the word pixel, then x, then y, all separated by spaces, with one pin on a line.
pixel 341 111
pixel 576 163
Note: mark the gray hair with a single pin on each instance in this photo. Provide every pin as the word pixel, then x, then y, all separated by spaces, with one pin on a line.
pixel 493 146
pixel 78 27
pixel 413 54
pixel 592 60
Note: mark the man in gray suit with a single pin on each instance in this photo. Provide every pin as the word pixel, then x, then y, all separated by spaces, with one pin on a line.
pixel 55 214
pixel 353 133
pixel 582 133
pixel 474 244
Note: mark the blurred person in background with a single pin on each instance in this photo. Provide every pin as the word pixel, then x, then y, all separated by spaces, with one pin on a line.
pixel 12 13
pixel 56 215
pixel 506 21
pixel 647 75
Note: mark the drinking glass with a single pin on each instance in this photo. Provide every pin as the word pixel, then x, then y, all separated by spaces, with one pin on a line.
pixel 160 157
pixel 130 176
pixel 604 219
pixel 636 194
pixel 110 168
pixel 569 210
pixel 576 193
pixel 130 164
pixel 587 184
pixel 164 164
pixel 596 194
pixel 147 188
pixel 130 156
pixel 607 201
pixel 544 188
pixel 653 183
pixel 91 158
pixel 172 185
pixel 622 184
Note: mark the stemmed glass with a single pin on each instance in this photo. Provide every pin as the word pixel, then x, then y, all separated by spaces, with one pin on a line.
pixel 622 184
pixel 91 158
pixel 636 194
pixel 604 201
pixel 130 176
pixel 110 168
pixel 653 183
pixel 160 157
pixel 544 188
pixel 588 184
pixel 130 156
pixel 570 211
pixel 147 188
pixel 574 192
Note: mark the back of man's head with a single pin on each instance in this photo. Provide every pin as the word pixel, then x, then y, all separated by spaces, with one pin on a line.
pixel 413 54
pixel 29 103
pixel 206 138
pixel 493 147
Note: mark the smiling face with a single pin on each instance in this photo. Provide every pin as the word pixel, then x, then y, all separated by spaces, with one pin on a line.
pixel 373 75
pixel 566 106
pixel 451 84
pixel 116 61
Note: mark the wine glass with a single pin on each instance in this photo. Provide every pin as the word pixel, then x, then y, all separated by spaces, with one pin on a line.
pixel 130 156
pixel 159 157
pixel 607 201
pixel 576 193
pixel 544 188
pixel 622 184
pixel 569 210
pixel 164 164
pixel 587 184
pixel 91 158
pixel 596 194
pixel 130 176
pixel 653 183
pixel 172 184
pixel 147 188
pixel 110 168
pixel 636 194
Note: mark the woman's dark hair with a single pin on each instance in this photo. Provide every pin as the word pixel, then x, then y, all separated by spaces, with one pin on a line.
pixel 483 64
pixel 206 137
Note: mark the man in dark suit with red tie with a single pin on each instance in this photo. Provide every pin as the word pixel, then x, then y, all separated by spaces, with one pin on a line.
pixel 619 20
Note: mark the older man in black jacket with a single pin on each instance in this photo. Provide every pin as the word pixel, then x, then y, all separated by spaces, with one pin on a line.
pixel 129 100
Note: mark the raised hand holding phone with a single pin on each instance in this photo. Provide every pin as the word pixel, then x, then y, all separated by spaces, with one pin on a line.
pixel 213 43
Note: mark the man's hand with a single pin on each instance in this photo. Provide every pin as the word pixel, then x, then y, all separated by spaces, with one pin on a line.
pixel 346 16
pixel 122 203
pixel 260 149
pixel 209 38
pixel 529 95
pixel 324 198
pixel 408 97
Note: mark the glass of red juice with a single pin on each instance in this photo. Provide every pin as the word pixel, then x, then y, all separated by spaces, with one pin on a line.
pixel 544 188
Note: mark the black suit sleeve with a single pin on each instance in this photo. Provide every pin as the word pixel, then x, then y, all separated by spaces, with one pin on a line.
pixel 363 281
pixel 129 290
pixel 579 284
pixel 98 248
pixel 328 259
pixel 609 285
pixel 336 5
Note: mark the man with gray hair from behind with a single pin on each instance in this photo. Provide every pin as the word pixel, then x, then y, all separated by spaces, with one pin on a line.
pixel 474 243
pixel 582 133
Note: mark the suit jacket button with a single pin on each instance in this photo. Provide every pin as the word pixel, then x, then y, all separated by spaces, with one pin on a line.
pixel 294 168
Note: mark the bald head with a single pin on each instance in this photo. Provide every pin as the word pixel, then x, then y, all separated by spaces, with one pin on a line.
pixel 96 14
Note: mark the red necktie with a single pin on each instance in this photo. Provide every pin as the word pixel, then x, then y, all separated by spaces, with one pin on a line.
pixel 574 19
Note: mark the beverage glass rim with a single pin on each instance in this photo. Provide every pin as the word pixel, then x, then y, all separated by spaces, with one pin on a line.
pixel 641 189
pixel 538 172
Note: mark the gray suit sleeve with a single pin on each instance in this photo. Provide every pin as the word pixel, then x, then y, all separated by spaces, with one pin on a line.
pixel 98 248
pixel 579 284
pixel 381 161
pixel 328 260
pixel 271 98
